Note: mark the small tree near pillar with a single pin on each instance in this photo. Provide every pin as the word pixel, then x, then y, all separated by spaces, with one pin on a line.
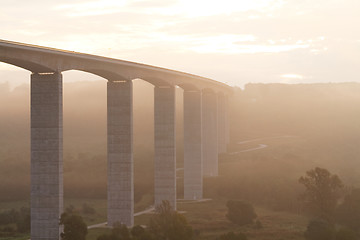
pixel 74 227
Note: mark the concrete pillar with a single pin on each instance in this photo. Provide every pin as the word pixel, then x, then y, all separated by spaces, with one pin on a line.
pixel 46 156
pixel 222 131
pixel 193 185
pixel 120 153
pixel 227 121
pixel 209 134
pixel 165 148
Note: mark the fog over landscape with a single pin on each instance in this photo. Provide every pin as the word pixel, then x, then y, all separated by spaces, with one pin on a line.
pixel 291 167
pixel 317 126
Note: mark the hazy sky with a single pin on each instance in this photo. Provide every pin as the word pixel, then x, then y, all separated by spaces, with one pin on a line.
pixel 233 41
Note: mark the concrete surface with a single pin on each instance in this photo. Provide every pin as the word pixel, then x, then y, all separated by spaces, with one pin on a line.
pixel 165 146
pixel 46 156
pixel 193 180
pixel 120 153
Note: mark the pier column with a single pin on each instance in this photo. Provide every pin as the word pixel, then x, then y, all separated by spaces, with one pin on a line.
pixel 227 121
pixel 209 134
pixel 46 155
pixel 165 148
pixel 120 153
pixel 222 128
pixel 193 185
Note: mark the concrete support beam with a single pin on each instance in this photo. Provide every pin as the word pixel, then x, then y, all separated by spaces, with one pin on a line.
pixel 209 134
pixel 222 131
pixel 120 153
pixel 46 156
pixel 165 148
pixel 193 185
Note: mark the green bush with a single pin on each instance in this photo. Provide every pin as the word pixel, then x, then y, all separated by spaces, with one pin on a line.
pixel 74 227
pixel 240 212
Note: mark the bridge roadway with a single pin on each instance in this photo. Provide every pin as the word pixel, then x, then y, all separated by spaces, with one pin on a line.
pixel 206 130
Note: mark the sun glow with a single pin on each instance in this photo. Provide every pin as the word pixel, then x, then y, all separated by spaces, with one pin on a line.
pixel 293 76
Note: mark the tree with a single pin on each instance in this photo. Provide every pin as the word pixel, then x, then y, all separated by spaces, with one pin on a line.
pixel 74 227
pixel 240 212
pixel 322 192
pixel 167 224
pixel 348 213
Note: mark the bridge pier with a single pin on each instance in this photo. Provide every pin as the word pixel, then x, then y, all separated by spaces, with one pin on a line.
pixel 46 155
pixel 165 148
pixel 222 133
pixel 120 153
pixel 210 134
pixel 193 185
pixel 227 120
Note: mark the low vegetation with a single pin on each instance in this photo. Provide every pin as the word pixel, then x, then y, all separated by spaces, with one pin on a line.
pixel 74 227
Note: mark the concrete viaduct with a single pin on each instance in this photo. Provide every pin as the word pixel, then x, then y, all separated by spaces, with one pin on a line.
pixel 206 130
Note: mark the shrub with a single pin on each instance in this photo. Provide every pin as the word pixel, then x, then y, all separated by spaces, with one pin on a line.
pixel 240 212
pixel 74 227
